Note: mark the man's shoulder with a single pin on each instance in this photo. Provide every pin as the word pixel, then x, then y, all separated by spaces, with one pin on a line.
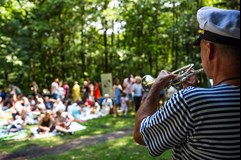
pixel 193 90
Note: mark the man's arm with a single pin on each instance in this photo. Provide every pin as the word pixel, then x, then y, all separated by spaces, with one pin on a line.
pixel 151 104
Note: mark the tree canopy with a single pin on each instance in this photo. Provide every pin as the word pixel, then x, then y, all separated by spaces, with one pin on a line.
pixel 77 39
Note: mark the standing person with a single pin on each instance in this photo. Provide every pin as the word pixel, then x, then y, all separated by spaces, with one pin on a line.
pixel 66 90
pixel 91 90
pixel 3 94
pixel 127 84
pixel 61 91
pixel 124 106
pixel 137 90
pixel 76 91
pixel 54 88
pixel 86 91
pixel 97 91
pixel 14 90
pixel 200 123
pixel 117 90
pixel 1 107
pixel 34 88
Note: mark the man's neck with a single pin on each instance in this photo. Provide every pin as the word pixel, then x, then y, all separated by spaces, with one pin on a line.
pixel 230 80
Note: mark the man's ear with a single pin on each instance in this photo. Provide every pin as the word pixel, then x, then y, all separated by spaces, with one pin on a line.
pixel 210 52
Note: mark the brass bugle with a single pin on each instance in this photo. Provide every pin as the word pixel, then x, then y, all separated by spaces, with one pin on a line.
pixel 182 75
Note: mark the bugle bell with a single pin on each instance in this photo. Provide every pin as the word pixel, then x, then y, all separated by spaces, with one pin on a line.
pixel 182 75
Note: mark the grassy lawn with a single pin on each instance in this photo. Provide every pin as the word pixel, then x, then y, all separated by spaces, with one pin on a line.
pixel 119 149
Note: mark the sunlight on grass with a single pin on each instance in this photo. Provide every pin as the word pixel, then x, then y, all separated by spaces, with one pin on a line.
pixel 108 124
pixel 97 132
pixel 119 149
pixel 98 126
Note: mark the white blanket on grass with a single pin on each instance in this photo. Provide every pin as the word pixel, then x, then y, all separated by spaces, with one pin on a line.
pixel 73 128
pixel 5 135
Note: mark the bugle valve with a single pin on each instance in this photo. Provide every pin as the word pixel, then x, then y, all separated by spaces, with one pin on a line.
pixel 182 75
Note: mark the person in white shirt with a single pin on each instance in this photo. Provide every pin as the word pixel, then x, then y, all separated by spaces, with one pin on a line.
pixel 170 92
pixel 54 88
pixel 107 105
pixel 127 84
pixel 58 105
pixel 138 92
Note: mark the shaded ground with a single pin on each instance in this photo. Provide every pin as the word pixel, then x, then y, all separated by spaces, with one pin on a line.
pixel 77 143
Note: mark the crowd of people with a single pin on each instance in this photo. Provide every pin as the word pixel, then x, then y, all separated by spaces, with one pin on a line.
pixel 53 109
pixel 57 107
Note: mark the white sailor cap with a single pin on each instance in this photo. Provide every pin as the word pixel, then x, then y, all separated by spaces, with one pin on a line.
pixel 219 26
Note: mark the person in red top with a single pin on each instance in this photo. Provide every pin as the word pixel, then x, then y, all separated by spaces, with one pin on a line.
pixel 66 89
pixel 97 91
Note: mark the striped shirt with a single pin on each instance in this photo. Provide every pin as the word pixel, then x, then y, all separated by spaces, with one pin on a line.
pixel 198 124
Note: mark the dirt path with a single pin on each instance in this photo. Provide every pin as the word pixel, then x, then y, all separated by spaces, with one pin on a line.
pixel 77 143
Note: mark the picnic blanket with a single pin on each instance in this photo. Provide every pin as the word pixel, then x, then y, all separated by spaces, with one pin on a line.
pixel 73 128
pixel 5 135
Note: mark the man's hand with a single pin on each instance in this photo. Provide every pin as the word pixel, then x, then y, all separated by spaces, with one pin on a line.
pixel 163 80
pixel 151 103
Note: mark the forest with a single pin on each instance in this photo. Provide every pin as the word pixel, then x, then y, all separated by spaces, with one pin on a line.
pixel 77 39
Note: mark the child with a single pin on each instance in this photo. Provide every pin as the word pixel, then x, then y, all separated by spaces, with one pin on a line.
pixel 124 106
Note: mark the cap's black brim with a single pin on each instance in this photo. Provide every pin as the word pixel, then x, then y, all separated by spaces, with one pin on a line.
pixel 215 38
pixel 197 42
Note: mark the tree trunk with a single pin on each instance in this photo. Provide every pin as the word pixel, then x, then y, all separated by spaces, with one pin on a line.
pixel 105 24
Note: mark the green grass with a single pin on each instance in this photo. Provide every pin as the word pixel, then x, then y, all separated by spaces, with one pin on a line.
pixel 120 149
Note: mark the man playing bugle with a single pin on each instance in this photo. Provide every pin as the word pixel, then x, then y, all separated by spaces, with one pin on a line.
pixel 199 123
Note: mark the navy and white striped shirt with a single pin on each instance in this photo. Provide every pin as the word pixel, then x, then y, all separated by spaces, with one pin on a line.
pixel 199 124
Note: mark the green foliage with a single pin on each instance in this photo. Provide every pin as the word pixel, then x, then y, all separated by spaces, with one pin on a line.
pixel 78 39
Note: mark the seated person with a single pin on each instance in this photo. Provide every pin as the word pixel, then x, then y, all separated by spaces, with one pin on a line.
pixel 77 112
pixel 63 122
pixel 16 125
pixel 95 108
pixel 107 105
pixel 1 107
pixel 27 114
pixel 49 102
pixel 58 105
pixel 46 123
pixel 40 105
